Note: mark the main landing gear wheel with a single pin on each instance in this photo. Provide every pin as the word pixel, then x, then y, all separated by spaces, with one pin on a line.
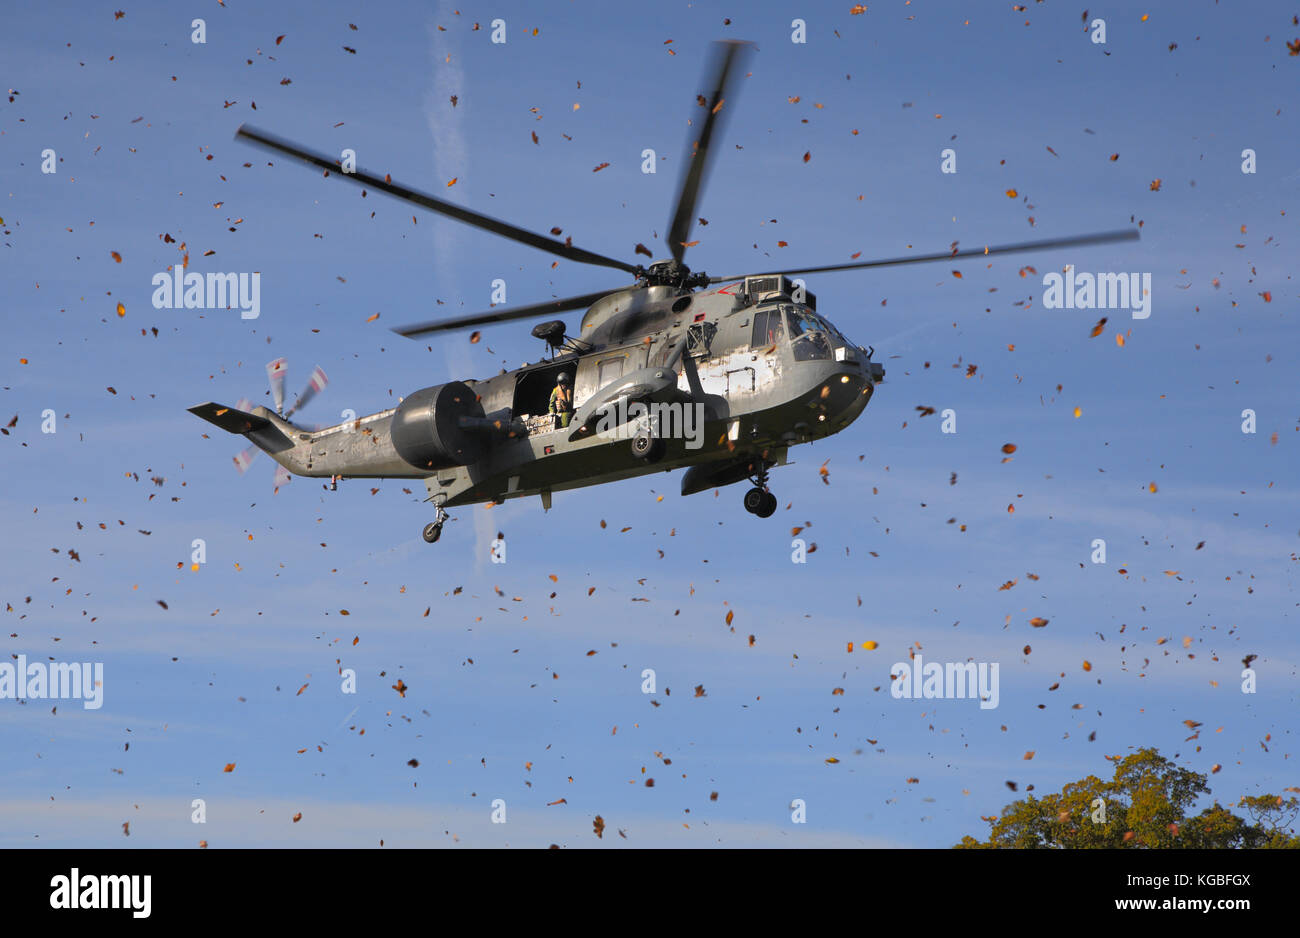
pixel 645 445
pixel 768 508
pixel 755 499
pixel 433 530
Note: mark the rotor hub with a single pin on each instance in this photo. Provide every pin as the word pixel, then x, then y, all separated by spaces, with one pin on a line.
pixel 671 273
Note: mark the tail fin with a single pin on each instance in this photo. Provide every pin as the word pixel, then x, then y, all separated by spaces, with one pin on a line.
pixel 228 418
pixel 261 430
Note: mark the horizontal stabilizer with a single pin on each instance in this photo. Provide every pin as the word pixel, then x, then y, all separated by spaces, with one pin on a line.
pixel 228 418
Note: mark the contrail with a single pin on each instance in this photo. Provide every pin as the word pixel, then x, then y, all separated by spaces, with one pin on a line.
pixel 450 159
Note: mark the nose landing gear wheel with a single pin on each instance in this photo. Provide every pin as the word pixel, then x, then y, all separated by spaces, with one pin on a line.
pixel 758 500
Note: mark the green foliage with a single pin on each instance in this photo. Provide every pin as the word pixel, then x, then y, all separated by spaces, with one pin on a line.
pixel 1145 805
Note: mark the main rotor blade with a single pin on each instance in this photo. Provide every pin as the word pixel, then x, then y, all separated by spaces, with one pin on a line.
pixel 504 229
pixel 725 63
pixel 503 315
pixel 1108 237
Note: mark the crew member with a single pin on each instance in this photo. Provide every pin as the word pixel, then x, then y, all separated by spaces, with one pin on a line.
pixel 561 403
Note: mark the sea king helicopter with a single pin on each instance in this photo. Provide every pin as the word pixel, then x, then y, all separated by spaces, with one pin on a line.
pixel 749 355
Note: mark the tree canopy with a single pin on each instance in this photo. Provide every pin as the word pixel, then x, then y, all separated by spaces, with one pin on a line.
pixel 1145 805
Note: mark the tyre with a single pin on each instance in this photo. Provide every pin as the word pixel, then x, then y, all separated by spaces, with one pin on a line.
pixel 643 444
pixel 432 531
pixel 755 499
pixel 768 508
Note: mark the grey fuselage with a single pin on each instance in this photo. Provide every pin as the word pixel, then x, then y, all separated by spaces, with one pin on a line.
pixel 762 390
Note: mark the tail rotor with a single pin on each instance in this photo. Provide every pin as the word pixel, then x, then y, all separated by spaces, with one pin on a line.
pixel 276 372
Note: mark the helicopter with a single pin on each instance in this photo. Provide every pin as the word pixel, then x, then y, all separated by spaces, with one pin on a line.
pixel 716 375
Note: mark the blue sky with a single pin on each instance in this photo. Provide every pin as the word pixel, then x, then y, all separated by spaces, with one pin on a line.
pixel 503 699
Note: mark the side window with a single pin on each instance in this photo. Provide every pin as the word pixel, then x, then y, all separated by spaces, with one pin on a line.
pixel 768 329
pixel 611 369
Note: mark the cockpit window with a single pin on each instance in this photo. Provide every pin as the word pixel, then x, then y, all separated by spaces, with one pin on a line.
pixel 810 339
